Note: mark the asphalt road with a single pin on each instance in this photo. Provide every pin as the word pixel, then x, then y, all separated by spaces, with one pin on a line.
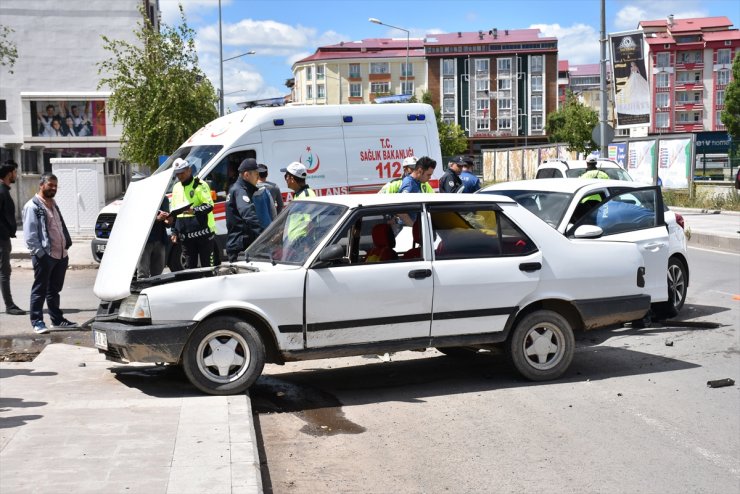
pixel 634 413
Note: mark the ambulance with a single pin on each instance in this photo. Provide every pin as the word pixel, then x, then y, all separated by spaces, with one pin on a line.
pixel 347 149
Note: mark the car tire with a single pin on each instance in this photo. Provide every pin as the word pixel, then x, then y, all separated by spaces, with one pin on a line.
pixel 460 352
pixel 224 356
pixel 677 290
pixel 176 261
pixel 541 346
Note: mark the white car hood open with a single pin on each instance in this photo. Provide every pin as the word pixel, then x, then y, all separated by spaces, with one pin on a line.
pixel 130 232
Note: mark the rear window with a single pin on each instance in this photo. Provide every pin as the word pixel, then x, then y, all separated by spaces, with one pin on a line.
pixel 549 173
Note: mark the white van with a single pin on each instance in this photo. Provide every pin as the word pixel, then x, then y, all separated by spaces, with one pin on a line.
pixel 347 149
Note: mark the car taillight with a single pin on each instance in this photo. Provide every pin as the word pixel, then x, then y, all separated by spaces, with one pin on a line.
pixel 679 220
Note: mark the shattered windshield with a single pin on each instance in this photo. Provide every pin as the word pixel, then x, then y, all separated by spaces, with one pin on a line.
pixel 295 233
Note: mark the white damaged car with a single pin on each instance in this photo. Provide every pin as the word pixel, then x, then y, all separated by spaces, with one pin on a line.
pixel 356 274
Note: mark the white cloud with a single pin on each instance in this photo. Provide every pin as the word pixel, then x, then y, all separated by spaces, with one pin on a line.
pixel 193 10
pixel 579 43
pixel 630 15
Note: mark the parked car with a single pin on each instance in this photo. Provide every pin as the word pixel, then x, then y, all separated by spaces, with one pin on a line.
pixel 557 168
pixel 620 209
pixel 356 274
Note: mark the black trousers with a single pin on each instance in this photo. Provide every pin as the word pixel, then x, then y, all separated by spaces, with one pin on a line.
pixel 48 280
pixel 198 249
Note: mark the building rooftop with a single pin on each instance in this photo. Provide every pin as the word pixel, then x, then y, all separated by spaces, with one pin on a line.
pixel 694 24
pixel 368 48
pixel 488 36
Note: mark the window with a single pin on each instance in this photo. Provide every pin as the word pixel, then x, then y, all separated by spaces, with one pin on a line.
pixel 723 77
pixel 355 90
pixel 309 73
pixel 448 105
pixel 3 111
pixel 663 59
pixel 536 122
pixel 503 65
pixel 481 66
pixel 681 98
pixel 29 161
pixel 628 211
pixel 536 61
pixel 449 120
pixel 379 68
pixel 448 67
pixel 504 123
pixel 697 97
pixel 407 87
pixel 662 79
pixel 320 73
pixel 720 97
pixel 723 56
pixel 682 117
pixel 504 84
pixel 718 119
pixel 407 71
pixel 320 93
pixel 683 77
pixel 482 105
pixel 354 70
pixel 661 120
pixel 536 83
pixel 481 85
pixel 448 86
pixel 482 123
pixel 537 103
pixel 504 104
pixel 380 87
pixel 309 92
pixel 469 232
pixel 661 99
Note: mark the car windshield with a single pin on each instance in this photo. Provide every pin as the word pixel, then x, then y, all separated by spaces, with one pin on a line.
pixel 198 156
pixel 295 233
pixel 549 206
pixel 614 173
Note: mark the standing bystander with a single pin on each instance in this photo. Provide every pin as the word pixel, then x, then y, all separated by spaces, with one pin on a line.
pixel 249 209
pixel 450 181
pixel 470 182
pixel 421 174
pixel 277 196
pixel 8 227
pixel 47 239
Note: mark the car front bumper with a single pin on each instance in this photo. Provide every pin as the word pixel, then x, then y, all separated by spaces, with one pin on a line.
pixel 97 246
pixel 151 343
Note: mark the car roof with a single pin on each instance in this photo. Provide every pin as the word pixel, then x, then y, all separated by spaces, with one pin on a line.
pixel 600 162
pixel 565 185
pixel 356 200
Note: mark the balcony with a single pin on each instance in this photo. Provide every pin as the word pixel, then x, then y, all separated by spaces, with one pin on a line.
pixel 688 127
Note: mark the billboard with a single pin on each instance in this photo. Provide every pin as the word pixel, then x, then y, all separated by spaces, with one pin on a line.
pixel 629 73
pixel 80 118
pixel 674 162
pixel 618 152
pixel 640 159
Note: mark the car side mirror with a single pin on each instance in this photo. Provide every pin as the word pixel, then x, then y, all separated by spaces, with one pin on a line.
pixel 329 256
pixel 588 231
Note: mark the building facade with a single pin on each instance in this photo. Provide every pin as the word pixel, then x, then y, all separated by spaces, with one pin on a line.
pixel 690 64
pixel 498 85
pixel 360 72
pixel 52 105
pixel 584 81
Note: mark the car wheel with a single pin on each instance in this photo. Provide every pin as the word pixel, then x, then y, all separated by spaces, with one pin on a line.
pixel 176 260
pixel 224 355
pixel 458 351
pixel 541 346
pixel 677 290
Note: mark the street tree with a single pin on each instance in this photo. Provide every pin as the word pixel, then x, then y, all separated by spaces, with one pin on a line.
pixel 731 112
pixel 572 124
pixel 8 48
pixel 158 92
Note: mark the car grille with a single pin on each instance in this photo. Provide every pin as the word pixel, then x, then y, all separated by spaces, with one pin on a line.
pixel 104 225
pixel 107 311
pixel 114 353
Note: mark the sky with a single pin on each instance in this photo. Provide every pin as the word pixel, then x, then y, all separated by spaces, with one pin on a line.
pixel 284 31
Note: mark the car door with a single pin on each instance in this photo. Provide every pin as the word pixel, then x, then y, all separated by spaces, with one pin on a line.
pixel 484 266
pixel 636 215
pixel 368 298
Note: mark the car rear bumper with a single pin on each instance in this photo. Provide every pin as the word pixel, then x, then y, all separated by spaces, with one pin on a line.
pixel 151 343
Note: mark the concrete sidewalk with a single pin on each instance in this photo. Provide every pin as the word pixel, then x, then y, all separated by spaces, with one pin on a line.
pixel 712 229
pixel 72 422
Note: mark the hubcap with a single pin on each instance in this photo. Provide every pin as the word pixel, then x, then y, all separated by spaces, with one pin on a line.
pixel 676 285
pixel 543 346
pixel 223 356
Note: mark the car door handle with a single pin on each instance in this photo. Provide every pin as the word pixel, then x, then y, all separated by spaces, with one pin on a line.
pixel 530 266
pixel 420 274
pixel 654 246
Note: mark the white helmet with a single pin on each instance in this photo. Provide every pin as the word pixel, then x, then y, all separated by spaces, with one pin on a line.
pixel 410 161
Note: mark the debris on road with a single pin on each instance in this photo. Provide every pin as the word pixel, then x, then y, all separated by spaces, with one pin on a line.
pixel 668 342
pixel 720 383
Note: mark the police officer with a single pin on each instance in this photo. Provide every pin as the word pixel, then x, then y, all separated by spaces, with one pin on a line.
pixel 470 182
pixel 394 186
pixel 295 179
pixel 242 214
pixel 194 225
pixel 592 171
pixel 450 181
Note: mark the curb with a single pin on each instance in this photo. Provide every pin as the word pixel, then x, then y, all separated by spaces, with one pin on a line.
pixel 715 242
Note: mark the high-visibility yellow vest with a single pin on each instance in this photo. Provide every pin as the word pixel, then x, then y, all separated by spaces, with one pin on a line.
pixel 196 193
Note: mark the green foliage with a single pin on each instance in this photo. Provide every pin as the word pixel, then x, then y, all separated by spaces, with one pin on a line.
pixel 728 201
pixel 452 139
pixel 572 124
pixel 8 49
pixel 159 94
pixel 731 113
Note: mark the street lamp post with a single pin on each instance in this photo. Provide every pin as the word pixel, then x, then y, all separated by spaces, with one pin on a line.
pixel 221 61
pixel 377 21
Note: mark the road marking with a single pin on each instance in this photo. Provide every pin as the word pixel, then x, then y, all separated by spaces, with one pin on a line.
pixel 715 251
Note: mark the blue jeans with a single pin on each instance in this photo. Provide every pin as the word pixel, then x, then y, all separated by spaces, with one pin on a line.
pixel 48 280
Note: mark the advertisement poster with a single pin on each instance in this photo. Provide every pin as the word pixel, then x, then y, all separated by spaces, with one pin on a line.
pixel 618 153
pixel 632 92
pixel 640 159
pixel 674 162
pixel 83 118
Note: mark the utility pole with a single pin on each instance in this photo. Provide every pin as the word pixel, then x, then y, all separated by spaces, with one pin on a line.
pixel 603 115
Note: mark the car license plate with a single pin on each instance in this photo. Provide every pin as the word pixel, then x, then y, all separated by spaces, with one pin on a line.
pixel 101 339
pixel 100 248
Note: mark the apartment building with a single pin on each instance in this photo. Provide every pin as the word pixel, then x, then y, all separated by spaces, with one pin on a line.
pixel 361 72
pixel 584 81
pixel 689 64
pixel 499 85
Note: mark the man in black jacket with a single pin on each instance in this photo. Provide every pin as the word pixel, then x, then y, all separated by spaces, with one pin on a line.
pixel 242 220
pixel 450 181
pixel 8 227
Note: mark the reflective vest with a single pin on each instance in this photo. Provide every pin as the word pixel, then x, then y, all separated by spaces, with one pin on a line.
pixel 198 194
pixel 298 222
pixel 394 186
pixel 595 174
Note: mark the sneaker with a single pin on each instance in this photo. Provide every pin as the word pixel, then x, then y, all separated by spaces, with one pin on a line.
pixel 15 311
pixel 65 324
pixel 40 328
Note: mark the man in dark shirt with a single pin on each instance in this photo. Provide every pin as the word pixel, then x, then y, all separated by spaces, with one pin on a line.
pixel 450 181
pixel 8 227
pixel 242 218
pixel 277 196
